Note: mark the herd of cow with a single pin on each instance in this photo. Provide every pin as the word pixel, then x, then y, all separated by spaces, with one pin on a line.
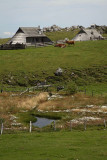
pixel 62 45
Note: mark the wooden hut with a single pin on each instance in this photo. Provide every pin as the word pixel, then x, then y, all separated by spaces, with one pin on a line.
pixel 88 34
pixel 29 36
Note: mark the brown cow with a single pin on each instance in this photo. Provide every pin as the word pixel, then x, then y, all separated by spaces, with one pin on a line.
pixel 60 45
pixel 70 42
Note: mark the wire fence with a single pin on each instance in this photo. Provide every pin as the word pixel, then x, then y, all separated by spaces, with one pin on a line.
pixel 47 88
pixel 69 126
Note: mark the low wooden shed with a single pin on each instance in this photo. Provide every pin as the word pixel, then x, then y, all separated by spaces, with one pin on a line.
pixel 29 36
pixel 88 34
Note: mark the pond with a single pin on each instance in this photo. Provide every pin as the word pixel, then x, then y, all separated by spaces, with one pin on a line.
pixel 42 122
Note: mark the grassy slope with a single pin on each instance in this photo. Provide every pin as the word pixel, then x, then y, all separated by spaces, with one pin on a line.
pixel 90 145
pixel 43 62
pixel 82 55
pixel 54 36
pixel 4 40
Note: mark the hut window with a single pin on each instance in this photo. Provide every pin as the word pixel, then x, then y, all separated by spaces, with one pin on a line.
pixel 30 39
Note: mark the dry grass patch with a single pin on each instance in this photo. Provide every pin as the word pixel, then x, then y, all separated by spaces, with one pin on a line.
pixel 12 105
pixel 32 102
pixel 70 102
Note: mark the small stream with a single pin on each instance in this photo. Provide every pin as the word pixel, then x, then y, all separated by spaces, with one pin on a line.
pixel 42 122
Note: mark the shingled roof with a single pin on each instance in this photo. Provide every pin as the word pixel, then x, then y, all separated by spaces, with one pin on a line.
pixel 92 31
pixel 31 31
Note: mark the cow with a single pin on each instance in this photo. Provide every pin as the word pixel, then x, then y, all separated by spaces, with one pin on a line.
pixel 70 42
pixel 61 45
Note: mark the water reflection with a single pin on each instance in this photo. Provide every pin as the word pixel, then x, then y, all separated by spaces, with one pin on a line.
pixel 42 122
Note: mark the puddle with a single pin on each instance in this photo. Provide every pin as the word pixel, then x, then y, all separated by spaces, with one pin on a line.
pixel 42 122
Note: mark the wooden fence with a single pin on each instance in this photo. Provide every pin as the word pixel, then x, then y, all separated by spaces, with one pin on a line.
pixel 12 46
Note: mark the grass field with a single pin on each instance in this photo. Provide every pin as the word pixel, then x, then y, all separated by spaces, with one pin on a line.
pixel 82 55
pixel 84 66
pixel 90 145
pixel 87 60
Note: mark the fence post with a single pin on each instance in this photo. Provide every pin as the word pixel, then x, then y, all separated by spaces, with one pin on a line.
pixel 70 125
pixel 54 126
pixel 85 124
pixel 1 127
pixel 30 130
pixel 104 123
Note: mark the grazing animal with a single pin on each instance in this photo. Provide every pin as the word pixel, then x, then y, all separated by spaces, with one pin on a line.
pixel 70 42
pixel 60 45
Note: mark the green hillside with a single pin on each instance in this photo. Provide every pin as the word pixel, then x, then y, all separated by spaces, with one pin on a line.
pixel 87 60
pixel 60 35
pixel 4 40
